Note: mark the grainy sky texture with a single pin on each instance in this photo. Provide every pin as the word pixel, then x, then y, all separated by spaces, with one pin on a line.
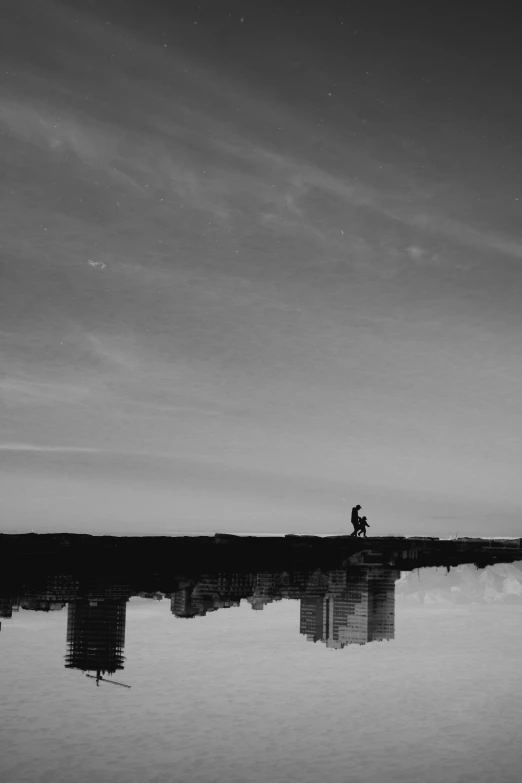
pixel 260 262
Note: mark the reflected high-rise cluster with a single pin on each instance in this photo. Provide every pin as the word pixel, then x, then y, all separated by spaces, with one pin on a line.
pixel 350 605
pixel 346 590
pixel 338 607
pixel 346 606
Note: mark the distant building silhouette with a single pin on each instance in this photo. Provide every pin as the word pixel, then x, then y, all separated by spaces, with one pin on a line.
pixel 267 586
pixel 233 586
pixel 37 604
pixel 6 607
pixel 59 588
pixel 51 594
pixel 205 595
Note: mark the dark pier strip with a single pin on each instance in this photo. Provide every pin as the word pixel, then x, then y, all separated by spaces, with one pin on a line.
pixel 160 562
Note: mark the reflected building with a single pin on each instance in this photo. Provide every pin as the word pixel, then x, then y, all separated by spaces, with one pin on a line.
pixel 266 588
pixel 311 618
pixel 96 628
pixel 195 600
pixel 381 607
pixel 205 595
pixel 6 607
pixel 209 596
pixel 181 604
pixel 96 635
pixel 235 584
pixel 212 592
pixel 233 587
pixel 59 588
pixel 357 607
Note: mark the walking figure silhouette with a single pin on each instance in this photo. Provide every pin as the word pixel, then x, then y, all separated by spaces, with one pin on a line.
pixel 363 524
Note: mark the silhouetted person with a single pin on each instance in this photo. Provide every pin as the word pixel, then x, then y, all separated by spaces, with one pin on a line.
pixel 355 520
pixel 363 524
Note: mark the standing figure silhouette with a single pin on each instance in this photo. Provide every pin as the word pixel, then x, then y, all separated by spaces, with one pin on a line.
pixel 355 520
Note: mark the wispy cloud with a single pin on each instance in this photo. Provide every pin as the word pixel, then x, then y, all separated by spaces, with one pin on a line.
pixel 29 448
pixel 465 234
pixel 110 351
pixel 185 146
pixel 279 186
pixel 57 130
pixel 30 390
pixel 32 447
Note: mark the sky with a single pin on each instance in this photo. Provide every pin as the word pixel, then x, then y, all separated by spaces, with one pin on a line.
pixel 260 261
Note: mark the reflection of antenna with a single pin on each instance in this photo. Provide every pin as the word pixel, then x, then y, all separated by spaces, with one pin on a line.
pixel 112 682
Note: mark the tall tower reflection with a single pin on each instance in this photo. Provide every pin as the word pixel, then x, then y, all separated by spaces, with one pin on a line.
pixel 96 630
pixel 355 607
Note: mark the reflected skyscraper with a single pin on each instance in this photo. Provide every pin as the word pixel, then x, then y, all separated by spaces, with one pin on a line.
pixel 96 627
pixel 6 607
pixel 181 604
pixel 357 606
pixel 96 635
pixel 311 618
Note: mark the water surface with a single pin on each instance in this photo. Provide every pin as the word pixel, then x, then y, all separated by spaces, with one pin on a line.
pixel 240 695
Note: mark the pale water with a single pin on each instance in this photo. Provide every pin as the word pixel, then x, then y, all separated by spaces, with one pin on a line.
pixel 240 696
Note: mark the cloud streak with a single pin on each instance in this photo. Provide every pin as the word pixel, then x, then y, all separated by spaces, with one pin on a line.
pixel 35 390
pixel 32 447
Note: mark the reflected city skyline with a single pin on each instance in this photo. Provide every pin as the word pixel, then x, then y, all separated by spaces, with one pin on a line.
pixel 346 588
pixel 352 605
pixel 337 607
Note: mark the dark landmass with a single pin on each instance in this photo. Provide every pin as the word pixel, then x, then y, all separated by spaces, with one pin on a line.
pixel 346 586
pixel 159 562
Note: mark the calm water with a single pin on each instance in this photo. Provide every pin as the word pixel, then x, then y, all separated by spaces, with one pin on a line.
pixel 241 695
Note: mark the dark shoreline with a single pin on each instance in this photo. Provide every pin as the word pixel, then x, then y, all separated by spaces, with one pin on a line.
pixel 203 573
pixel 153 558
